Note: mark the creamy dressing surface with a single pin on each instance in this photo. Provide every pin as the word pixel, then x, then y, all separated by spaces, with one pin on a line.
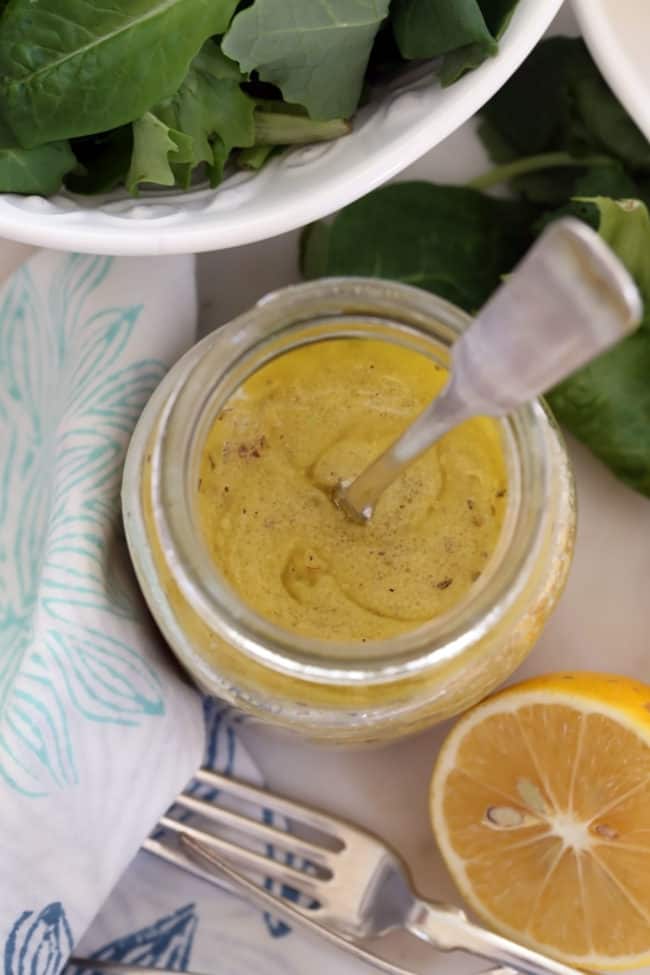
pixel 270 463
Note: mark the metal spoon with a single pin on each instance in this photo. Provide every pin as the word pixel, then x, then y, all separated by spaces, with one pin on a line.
pixel 567 301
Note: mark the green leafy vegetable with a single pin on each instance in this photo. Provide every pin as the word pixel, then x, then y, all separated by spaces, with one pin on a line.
pixel 176 89
pixel 210 109
pixel 429 28
pixel 35 170
pixel 555 116
pixel 155 147
pixel 450 240
pixel 607 404
pixel 497 14
pixel 104 161
pixel 609 125
pixel 279 126
pixel 254 158
pixel 316 52
pixel 77 67
pixel 465 31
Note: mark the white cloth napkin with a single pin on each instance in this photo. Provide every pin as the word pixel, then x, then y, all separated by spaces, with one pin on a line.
pixel 98 730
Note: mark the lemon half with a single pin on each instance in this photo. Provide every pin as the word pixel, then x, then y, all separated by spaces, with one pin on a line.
pixel 540 802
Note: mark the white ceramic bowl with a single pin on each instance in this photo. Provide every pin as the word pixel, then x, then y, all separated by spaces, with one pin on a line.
pixel 295 188
pixel 617 33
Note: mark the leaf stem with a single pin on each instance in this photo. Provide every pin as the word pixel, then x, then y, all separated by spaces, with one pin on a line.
pixel 532 164
pixel 278 129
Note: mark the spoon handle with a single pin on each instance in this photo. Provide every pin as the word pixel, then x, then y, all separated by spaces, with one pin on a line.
pixel 567 301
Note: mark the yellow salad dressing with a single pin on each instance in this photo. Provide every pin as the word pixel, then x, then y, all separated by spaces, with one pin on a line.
pixel 273 456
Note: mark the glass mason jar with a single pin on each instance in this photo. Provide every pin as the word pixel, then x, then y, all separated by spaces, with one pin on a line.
pixel 346 693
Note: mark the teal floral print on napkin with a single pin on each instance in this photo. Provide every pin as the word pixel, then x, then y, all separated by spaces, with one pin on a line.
pixel 70 394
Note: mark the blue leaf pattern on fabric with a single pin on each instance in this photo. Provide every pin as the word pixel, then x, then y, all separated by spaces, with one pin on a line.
pixel 221 745
pixel 165 944
pixel 69 399
pixel 38 944
pixel 219 755
pixel 277 927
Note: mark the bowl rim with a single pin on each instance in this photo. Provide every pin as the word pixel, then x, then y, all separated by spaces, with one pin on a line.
pixel 611 55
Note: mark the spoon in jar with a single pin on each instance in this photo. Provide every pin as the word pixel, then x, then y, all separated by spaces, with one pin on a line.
pixel 568 300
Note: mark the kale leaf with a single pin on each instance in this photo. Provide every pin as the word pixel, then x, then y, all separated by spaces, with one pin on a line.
pixel 210 109
pixel 606 404
pixel 156 147
pixel 316 53
pixel 453 241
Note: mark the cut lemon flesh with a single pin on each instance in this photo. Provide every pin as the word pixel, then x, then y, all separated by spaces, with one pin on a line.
pixel 540 802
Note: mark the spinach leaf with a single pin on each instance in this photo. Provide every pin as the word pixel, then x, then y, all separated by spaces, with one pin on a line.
pixel 451 240
pixel 429 28
pixel 465 31
pixel 556 108
pixel 606 405
pixel 457 63
pixel 533 112
pixel 155 147
pixel 35 170
pixel 77 67
pixel 497 14
pixel 608 123
pixel 556 121
pixel 315 52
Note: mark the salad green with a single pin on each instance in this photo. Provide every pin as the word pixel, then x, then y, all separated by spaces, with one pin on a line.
pixel 563 144
pixel 145 91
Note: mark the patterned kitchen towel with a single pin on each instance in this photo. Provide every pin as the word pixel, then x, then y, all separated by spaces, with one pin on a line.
pixel 98 730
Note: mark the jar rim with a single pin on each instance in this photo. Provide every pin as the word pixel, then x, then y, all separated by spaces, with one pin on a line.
pixel 236 351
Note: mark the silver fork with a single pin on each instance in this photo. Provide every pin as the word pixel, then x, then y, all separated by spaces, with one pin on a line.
pixel 351 883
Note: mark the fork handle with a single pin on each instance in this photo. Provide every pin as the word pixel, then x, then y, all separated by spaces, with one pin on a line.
pixel 448 930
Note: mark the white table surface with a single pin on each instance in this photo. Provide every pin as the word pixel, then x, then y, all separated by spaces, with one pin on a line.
pixel 601 623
